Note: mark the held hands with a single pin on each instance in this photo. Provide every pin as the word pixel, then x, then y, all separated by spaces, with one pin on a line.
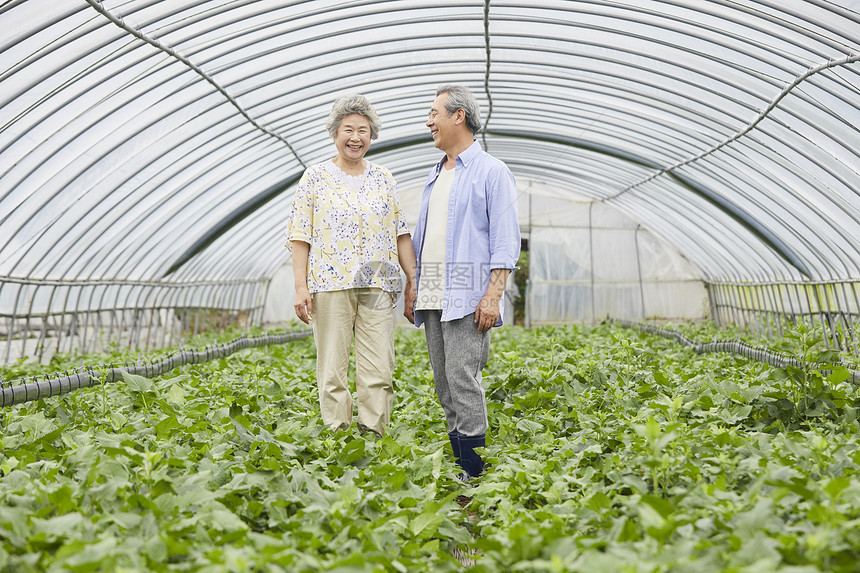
pixel 303 305
pixel 409 296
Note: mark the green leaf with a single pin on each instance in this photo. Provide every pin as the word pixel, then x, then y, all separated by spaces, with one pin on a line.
pixel 167 425
pixel 155 550
pixel 599 502
pixel 59 526
pixel 425 524
pixel 137 383
pixel 836 486
pixel 176 395
pixel 529 426
pixel 353 451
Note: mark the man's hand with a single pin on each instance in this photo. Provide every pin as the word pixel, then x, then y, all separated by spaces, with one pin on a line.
pixel 487 313
pixel 303 305
pixel 489 309
pixel 409 295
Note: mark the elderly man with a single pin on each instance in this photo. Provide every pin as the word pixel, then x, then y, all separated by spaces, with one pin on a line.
pixel 467 241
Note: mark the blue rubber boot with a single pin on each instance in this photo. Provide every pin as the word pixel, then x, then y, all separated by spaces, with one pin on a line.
pixel 469 460
pixel 455 444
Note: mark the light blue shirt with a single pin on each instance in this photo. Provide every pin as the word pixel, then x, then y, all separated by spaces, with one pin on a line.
pixel 483 230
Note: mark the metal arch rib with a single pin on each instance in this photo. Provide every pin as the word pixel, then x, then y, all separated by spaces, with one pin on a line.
pixel 735 212
pixel 269 194
pixel 844 61
pixel 732 210
pixel 96 5
pixel 487 71
pixel 232 220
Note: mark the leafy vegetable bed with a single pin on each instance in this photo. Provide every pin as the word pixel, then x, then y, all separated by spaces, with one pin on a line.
pixel 610 450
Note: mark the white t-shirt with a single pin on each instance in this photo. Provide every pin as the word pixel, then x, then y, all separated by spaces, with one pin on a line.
pixel 431 284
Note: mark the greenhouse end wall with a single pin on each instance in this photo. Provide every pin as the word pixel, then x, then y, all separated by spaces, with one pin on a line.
pixel 602 264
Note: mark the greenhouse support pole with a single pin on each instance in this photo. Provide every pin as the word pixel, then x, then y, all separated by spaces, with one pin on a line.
pixel 138 317
pixel 756 310
pixel 127 313
pixel 728 297
pixel 779 308
pixel 733 313
pixel 711 307
pixel 809 306
pixel 527 319
pixel 43 335
pixel 96 319
pixel 843 330
pixel 838 318
pixel 720 308
pixel 63 312
pixel 171 314
pixel 101 305
pixel 262 303
pixel 113 319
pixel 81 322
pixel 798 298
pixel 734 302
pixel 716 298
pixel 853 323
pixel 74 329
pixel 639 271
pixel 27 321
pixel 186 311
pixel 732 298
pixel 764 319
pixel 788 295
pixel 163 309
pixel 821 314
pixel 591 260
pixel 10 322
pixel 12 328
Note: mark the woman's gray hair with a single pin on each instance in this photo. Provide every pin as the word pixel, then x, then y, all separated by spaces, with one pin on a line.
pixel 348 105
pixel 459 97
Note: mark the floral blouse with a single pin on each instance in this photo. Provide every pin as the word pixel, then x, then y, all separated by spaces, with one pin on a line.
pixel 352 224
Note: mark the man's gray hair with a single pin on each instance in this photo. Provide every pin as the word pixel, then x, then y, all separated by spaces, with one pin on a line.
pixel 459 97
pixel 348 105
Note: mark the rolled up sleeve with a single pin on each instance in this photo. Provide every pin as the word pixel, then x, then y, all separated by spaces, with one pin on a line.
pixel 504 220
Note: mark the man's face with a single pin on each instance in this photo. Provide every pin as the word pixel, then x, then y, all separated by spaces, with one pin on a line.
pixel 440 123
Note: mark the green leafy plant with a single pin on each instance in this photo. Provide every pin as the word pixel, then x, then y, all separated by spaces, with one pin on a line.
pixel 608 450
pixel 816 373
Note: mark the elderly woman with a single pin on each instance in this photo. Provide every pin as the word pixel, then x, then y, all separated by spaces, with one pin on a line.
pixel 347 234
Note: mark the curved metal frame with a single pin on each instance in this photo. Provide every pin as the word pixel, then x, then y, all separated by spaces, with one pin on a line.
pixel 699 119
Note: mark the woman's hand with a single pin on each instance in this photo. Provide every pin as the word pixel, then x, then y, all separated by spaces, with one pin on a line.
pixel 406 256
pixel 304 305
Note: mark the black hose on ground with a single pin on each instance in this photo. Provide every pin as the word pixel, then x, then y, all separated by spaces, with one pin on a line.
pixel 37 387
pixel 742 349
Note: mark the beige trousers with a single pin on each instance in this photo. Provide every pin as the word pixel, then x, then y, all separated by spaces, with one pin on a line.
pixel 366 316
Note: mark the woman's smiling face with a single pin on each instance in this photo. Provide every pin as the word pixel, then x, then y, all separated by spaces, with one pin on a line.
pixel 353 137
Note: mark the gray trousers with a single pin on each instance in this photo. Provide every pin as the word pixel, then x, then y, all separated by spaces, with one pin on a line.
pixel 458 354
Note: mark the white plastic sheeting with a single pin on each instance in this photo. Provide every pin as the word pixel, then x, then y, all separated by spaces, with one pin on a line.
pixel 588 261
pixel 161 141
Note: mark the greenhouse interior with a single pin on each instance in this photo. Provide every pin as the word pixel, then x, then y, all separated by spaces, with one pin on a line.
pixel 675 387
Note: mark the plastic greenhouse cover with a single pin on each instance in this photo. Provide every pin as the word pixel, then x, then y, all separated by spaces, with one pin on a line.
pixel 139 137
